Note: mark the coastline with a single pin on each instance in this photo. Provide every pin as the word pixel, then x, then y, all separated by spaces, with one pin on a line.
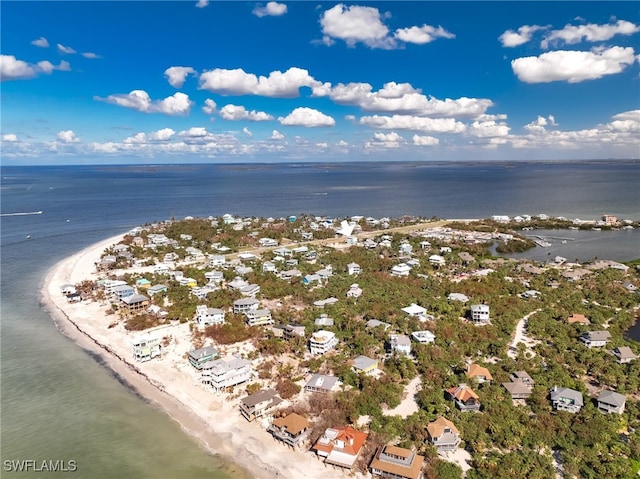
pixel 170 383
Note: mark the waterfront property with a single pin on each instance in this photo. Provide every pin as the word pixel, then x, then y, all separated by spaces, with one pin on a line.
pixel 199 357
pixel 340 447
pixel 611 402
pixel 444 435
pixel 290 429
pixel 464 398
pixel 259 404
pixel 226 372
pixel 595 339
pixel 322 342
pixel 135 304
pixel 145 347
pixel 395 462
pixel 566 399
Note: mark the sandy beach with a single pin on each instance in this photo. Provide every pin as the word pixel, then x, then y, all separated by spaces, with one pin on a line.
pixel 170 383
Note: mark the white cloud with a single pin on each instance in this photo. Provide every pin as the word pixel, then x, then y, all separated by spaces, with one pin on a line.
pixel 414 123
pixel 177 75
pixel 573 66
pixel 276 135
pixel 522 36
pixel 354 24
pixel 162 135
pixel 177 104
pixel 384 140
pixel 422 35
pixel 342 144
pixel 425 140
pixel 67 136
pixel 41 42
pixel 247 132
pixel 308 117
pixel 633 115
pixel 272 9
pixel 91 55
pixel 488 129
pixel 138 138
pixel 13 69
pixel 210 106
pixel 238 82
pixel 194 132
pixel 202 3
pixel 322 145
pixel 65 50
pixel 236 112
pixel 10 137
pixel 572 34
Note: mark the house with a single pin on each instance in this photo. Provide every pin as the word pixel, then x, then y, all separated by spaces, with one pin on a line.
pixel 200 356
pixel 531 293
pixel 323 320
pixel 425 245
pixel 145 347
pixel 595 339
pixel 578 318
pixel 291 331
pixel 437 260
pixel 444 435
pixel 374 323
pixel 566 399
pixel 353 268
pixel 311 279
pixel 242 270
pixel 355 291
pixel 259 317
pixel 523 377
pixel 289 274
pixel 405 249
pixel 463 298
pixel 74 298
pixel 268 267
pixel 135 304
pixel 156 289
pixel 415 311
pixel 340 447
pixel 290 429
pixel 464 398
pixel 520 386
pixel 267 242
pixel 401 270
pixel 624 354
pixel 321 303
pixel 423 337
pixel 245 304
pixel 479 373
pixel 237 283
pixel 68 289
pixel 322 342
pixel 226 372
pixel 320 383
pixel 161 269
pixel 214 277
pixel 480 314
pixel 465 257
pixel 397 463
pixel 206 316
pixel 216 260
pixel 400 343
pixel 325 273
pixel 247 256
pixel 250 290
pixel 259 404
pixel 364 365
pixel 611 402
pixel 122 291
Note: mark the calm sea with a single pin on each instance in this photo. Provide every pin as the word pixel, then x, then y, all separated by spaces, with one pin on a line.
pixel 59 403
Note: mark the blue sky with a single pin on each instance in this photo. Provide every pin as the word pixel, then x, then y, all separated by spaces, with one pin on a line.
pixel 153 82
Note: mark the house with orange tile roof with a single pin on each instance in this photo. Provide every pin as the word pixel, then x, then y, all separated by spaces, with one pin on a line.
pixel 464 398
pixel 578 318
pixel 479 373
pixel 443 435
pixel 397 463
pixel 340 447
pixel 290 429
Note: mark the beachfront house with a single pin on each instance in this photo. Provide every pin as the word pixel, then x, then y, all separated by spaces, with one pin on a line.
pixel 322 342
pixel 400 343
pixel 595 339
pixel 395 462
pixel 464 398
pixel 340 446
pixel 146 347
pixel 207 316
pixel 479 314
pixel 122 291
pixel 566 399
pixel 259 317
pixel 290 429
pixel 226 372
pixel 321 383
pixel 259 404
pixel 135 304
pixel 200 356
pixel 611 402
pixel 444 435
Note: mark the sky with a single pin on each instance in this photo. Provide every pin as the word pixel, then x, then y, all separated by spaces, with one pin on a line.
pixel 207 81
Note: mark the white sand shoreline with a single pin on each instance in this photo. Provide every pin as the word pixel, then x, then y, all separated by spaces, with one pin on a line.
pixel 169 383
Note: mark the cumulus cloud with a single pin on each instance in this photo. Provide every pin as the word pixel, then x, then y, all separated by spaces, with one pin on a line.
pixel 271 9
pixel 13 69
pixel 41 42
pixel 237 112
pixel 414 123
pixel 247 132
pixel 194 132
pixel 384 140
pixel 308 117
pixel 162 135
pixel 209 107
pixel 91 55
pixel 573 66
pixel 10 137
pixel 176 104
pixel 65 50
pixel 422 35
pixel 572 34
pixel 202 3
pixel 238 82
pixel 519 37
pixel 424 140
pixel 177 75
pixel 138 138
pixel 67 136
pixel 276 135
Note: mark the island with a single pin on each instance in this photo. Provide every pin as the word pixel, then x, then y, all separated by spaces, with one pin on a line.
pixel 311 346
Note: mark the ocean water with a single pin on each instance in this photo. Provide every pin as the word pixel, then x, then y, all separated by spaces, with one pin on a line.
pixel 59 403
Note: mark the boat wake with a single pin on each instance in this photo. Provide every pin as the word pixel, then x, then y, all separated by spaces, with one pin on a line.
pixel 28 213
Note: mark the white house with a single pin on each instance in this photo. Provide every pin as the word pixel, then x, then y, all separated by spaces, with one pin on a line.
pixel 245 304
pixel 437 260
pixel 415 311
pixel 480 313
pixel 226 372
pixel 322 342
pixel 354 291
pixel 595 339
pixel 206 316
pixel 423 337
pixel 400 270
pixel 259 317
pixel 400 343
pixel 353 268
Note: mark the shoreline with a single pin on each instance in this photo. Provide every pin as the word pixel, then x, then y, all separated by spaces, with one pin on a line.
pixel 212 421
